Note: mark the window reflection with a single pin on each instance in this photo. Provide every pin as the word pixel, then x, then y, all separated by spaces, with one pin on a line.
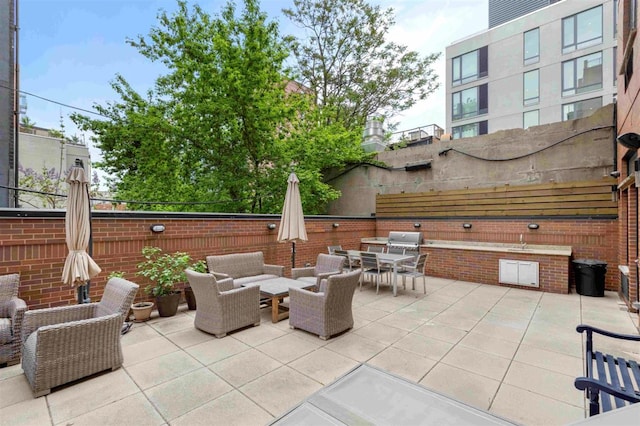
pixel 582 30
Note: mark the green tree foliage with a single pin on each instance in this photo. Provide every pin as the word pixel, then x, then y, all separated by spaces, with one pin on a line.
pixel 346 59
pixel 219 126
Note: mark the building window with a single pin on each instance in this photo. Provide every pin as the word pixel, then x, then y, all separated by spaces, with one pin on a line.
pixel 582 30
pixel 531 87
pixel 469 102
pixel 470 130
pixel 470 66
pixel 582 74
pixel 530 118
pixel 532 46
pixel 580 109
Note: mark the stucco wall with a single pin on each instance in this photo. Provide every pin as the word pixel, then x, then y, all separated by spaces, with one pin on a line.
pixel 587 154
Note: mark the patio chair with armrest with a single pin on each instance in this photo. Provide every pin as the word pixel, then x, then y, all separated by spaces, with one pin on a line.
pixel 415 270
pixel 326 265
pixel 371 266
pixel 328 312
pixel 12 311
pixel 220 307
pixel 66 343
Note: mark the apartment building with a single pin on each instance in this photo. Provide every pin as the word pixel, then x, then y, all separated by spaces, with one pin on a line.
pixel 628 166
pixel 501 11
pixel 554 64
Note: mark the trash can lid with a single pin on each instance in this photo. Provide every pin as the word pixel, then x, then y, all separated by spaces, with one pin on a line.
pixel 590 262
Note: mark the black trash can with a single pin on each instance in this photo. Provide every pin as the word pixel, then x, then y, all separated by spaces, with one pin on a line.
pixel 589 275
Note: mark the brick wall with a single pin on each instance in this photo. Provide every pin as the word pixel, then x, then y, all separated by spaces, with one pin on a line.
pixel 35 247
pixel 482 267
pixel 589 239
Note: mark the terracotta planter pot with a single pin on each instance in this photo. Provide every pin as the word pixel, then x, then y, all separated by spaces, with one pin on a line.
pixel 168 305
pixel 141 311
pixel 190 298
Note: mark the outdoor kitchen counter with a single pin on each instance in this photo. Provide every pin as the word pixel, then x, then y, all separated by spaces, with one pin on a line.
pixel 549 250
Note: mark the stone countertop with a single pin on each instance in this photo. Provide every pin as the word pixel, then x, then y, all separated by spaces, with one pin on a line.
pixel 550 250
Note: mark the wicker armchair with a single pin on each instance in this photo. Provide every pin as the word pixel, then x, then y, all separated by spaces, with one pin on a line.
pixel 326 265
pixel 71 342
pixel 12 311
pixel 328 312
pixel 221 308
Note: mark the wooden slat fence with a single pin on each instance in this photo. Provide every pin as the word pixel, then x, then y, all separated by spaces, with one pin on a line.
pixel 585 198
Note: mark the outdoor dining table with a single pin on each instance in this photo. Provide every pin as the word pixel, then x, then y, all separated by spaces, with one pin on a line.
pixel 395 260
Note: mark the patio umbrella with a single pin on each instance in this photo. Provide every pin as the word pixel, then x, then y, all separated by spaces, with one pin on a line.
pixel 79 267
pixel 292 221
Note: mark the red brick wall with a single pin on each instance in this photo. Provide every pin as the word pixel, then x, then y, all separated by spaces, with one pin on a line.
pixel 589 239
pixel 482 267
pixel 36 248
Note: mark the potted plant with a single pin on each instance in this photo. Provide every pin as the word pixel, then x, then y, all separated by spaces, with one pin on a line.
pixel 164 270
pixel 199 266
pixel 141 311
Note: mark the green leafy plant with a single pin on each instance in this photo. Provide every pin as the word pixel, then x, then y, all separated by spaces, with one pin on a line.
pixel 163 269
pixel 115 274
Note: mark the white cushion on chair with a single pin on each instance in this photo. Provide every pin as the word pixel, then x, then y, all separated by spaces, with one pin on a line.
pixel 6 336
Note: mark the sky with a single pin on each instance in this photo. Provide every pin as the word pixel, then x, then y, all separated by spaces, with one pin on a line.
pixel 71 50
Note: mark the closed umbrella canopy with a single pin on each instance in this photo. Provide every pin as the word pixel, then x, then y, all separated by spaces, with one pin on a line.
pixel 292 221
pixel 79 267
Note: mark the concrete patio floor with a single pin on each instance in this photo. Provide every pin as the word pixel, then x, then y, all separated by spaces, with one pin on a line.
pixel 512 352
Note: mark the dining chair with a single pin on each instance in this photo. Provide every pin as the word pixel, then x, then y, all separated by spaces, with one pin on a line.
pixel 371 265
pixel 350 263
pixel 395 250
pixel 415 270
pixel 332 249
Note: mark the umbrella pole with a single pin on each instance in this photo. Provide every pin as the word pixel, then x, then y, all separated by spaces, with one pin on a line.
pixel 293 254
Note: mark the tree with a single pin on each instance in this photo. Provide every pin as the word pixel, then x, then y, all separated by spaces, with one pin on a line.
pixel 46 185
pixel 349 65
pixel 219 127
pixel 26 122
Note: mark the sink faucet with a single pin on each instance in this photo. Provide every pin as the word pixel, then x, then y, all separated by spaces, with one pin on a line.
pixel 522 243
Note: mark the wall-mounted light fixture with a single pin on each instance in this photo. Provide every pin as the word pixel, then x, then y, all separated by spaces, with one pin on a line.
pixel 533 226
pixel 467 225
pixel 630 140
pixel 335 225
pixel 157 228
pixel 417 225
pixel 271 226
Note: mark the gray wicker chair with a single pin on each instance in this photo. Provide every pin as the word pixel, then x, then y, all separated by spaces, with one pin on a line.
pixel 328 312
pixel 326 265
pixel 221 308
pixel 67 343
pixel 12 311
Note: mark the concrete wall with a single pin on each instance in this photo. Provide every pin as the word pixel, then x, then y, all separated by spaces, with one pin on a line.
pixel 505 75
pixel 586 156
pixel 37 151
